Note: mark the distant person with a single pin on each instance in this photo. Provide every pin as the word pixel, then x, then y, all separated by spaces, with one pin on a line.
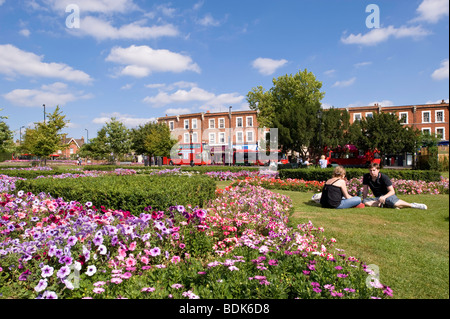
pixel 382 189
pixel 323 162
pixel 335 193
pixel 307 162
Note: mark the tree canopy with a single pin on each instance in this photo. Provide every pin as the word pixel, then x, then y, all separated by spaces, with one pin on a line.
pixel 291 106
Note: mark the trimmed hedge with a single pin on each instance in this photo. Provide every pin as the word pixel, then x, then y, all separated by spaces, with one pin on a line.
pixel 130 193
pixel 32 173
pixel 323 174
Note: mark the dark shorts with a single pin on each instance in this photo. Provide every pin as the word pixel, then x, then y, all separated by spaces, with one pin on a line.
pixel 389 202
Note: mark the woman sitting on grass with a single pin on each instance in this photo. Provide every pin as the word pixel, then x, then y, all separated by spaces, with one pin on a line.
pixel 335 194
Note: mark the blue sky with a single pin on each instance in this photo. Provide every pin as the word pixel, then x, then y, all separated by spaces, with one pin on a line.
pixel 138 60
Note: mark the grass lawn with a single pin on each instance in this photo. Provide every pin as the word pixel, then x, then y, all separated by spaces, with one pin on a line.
pixel 410 246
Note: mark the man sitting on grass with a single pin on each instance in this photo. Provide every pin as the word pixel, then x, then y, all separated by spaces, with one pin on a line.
pixel 382 189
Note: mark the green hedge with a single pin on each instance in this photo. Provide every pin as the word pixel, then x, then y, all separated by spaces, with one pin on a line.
pixel 31 173
pixel 323 174
pixel 129 193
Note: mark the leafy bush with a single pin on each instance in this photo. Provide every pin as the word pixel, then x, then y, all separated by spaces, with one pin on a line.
pixel 323 174
pixel 129 192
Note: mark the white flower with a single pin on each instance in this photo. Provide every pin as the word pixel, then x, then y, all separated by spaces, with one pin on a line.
pixel 91 270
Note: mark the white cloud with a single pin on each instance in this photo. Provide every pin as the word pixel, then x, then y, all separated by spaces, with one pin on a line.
pixel 102 6
pixel 50 95
pixel 361 64
pixel 442 72
pixel 205 100
pixel 346 83
pixel 267 66
pixel 432 10
pixel 208 20
pixel 141 61
pixel 382 103
pixel 2 2
pixel 178 111
pixel 376 36
pixel 25 32
pixel 14 62
pixel 329 72
pixel 437 102
pixel 127 120
pixel 103 30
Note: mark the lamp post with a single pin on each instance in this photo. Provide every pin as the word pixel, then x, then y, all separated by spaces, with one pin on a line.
pixel 44 112
pixel 191 156
pixel 229 138
pixel 87 135
pixel 20 135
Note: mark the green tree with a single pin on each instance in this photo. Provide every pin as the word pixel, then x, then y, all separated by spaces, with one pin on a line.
pixel 46 138
pixel 112 142
pixel 291 106
pixel 333 125
pixel 117 138
pixel 385 133
pixel 97 147
pixel 152 139
pixel 6 137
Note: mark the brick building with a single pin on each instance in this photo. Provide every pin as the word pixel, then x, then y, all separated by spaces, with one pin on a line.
pixel 215 129
pixel 74 146
pixel 432 118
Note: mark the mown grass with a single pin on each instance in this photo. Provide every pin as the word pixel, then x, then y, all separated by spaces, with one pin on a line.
pixel 410 246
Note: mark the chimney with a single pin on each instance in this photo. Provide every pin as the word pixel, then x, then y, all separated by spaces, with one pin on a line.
pixel 207 112
pixel 443 102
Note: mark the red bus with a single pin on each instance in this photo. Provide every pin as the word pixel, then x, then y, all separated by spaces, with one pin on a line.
pixel 351 156
pixel 188 154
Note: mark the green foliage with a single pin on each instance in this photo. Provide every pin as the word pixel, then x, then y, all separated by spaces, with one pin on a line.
pixel 291 106
pixel 153 139
pixel 323 174
pixel 385 133
pixel 129 193
pixel 45 138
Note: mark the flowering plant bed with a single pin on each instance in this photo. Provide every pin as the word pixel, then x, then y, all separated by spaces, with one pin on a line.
pixel 238 246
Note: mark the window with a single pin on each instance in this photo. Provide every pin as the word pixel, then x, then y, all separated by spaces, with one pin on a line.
pixel 221 123
pixel 222 137
pixel 249 121
pixel 403 117
pixel 211 123
pixel 440 133
pixel 194 123
pixel 356 117
pixel 239 122
pixel 186 137
pixel 426 117
pixel 239 137
pixel 369 115
pixel 186 124
pixel 71 150
pixel 194 137
pixel 426 130
pixel 439 116
pixel 250 136
pixel 171 126
pixel 212 138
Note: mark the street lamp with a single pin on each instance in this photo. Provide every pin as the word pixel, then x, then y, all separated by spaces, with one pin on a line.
pixel 87 135
pixel 191 157
pixel 44 112
pixel 20 135
pixel 229 138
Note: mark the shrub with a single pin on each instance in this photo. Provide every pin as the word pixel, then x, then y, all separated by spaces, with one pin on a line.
pixel 323 174
pixel 127 192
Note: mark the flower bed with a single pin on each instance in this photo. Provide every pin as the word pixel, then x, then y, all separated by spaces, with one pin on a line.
pixel 239 246
pixel 354 185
